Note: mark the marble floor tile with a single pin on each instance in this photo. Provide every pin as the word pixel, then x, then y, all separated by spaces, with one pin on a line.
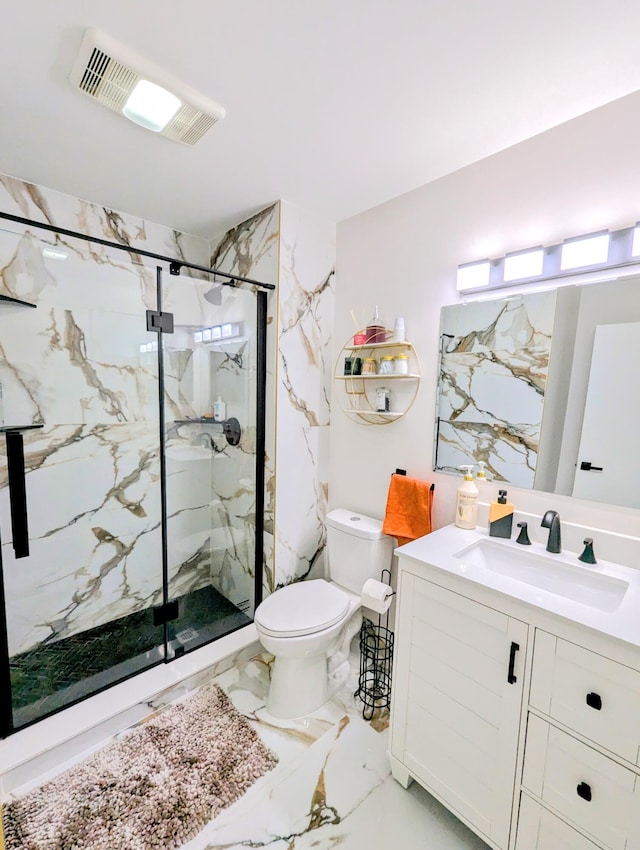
pixel 332 787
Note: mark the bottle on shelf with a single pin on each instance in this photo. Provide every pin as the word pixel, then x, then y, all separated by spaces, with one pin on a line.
pixel 383 400
pixel 375 331
pixel 219 409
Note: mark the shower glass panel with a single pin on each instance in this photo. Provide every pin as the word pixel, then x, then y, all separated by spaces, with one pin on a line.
pixel 210 437
pixel 80 521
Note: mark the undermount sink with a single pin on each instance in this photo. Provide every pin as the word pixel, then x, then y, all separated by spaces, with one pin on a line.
pixel 581 584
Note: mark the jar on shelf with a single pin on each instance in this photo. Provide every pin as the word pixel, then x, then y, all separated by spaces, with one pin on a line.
pixel 401 364
pixel 369 366
pixel 386 365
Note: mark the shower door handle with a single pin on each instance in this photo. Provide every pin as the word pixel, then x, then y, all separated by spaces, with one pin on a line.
pixel 17 493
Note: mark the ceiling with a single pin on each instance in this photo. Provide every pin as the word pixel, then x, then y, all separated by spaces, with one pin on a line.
pixel 333 105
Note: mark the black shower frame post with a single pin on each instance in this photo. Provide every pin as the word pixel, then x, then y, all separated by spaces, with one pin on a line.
pixel 6 700
pixel 164 520
pixel 261 397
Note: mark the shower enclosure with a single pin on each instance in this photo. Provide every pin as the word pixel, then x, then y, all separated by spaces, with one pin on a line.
pixel 130 517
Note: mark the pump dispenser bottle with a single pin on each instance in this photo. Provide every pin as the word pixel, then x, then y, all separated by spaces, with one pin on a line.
pixel 500 516
pixel 467 500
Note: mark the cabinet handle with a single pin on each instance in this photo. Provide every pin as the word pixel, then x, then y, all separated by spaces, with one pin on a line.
pixel 584 791
pixel 594 701
pixel 511 676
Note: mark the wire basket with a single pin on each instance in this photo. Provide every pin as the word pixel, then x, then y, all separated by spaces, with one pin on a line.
pixel 376 658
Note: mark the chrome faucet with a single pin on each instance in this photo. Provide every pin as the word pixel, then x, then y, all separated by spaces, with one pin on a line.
pixel 551 520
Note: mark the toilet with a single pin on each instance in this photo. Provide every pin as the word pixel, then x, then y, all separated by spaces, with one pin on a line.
pixel 308 626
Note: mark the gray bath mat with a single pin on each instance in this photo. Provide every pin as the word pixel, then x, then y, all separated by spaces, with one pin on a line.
pixel 156 787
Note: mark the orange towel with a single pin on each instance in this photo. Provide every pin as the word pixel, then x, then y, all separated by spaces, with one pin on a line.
pixel 408 511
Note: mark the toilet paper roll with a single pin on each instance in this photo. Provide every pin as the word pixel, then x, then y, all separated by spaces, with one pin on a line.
pixel 376 595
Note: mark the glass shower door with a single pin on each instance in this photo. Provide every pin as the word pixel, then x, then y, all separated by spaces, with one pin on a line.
pixel 210 443
pixel 80 519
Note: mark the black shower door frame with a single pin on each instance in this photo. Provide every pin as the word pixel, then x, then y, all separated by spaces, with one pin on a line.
pixel 159 323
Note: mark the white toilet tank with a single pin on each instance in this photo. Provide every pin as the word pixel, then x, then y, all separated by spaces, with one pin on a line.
pixel 357 549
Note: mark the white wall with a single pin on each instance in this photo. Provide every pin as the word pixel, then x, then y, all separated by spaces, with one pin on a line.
pixel 580 177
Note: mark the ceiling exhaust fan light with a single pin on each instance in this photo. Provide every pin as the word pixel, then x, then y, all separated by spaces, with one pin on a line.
pixel 151 106
pixel 112 74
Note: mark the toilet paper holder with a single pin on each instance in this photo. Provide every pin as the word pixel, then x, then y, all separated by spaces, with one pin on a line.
pixel 376 660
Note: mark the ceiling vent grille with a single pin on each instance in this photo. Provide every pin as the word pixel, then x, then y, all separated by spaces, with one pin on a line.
pixel 107 72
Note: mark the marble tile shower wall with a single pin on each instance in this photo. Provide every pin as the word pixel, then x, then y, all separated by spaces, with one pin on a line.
pixel 287 244
pixel 210 483
pixel 92 470
pixel 307 296
pixel 103 538
pixel 251 249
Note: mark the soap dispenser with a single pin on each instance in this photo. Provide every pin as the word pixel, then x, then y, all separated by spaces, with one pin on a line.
pixel 500 516
pixel 467 500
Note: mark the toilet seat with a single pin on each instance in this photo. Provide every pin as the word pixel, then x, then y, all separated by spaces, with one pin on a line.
pixel 302 609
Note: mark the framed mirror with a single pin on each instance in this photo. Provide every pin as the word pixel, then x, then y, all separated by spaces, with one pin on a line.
pixel 543 388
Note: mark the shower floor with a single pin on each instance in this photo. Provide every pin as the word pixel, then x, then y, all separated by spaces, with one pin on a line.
pixel 53 675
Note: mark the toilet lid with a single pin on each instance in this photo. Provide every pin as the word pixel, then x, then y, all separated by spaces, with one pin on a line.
pixel 302 608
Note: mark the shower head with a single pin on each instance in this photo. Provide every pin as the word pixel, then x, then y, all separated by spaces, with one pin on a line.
pixel 214 295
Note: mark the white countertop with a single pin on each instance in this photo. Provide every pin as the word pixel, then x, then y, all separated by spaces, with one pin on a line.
pixel 439 548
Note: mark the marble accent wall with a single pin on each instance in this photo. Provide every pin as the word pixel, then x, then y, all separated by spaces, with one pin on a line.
pixel 75 366
pixel 306 296
pixel 210 481
pixel 493 374
pixel 286 243
pixel 251 249
pixel 89 375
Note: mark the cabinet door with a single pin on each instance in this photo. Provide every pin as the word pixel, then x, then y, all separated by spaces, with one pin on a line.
pixel 463 669
pixel 598 795
pixel 539 829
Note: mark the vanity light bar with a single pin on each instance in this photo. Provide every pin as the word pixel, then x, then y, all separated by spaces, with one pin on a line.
pixel 584 251
pixel 473 275
pixel 582 254
pixel 523 264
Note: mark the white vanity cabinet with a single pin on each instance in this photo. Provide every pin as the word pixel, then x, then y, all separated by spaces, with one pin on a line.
pixel 522 721
pixel 582 748
pixel 458 686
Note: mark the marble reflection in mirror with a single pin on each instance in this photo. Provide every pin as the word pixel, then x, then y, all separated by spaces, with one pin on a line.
pixel 494 360
pixel 542 387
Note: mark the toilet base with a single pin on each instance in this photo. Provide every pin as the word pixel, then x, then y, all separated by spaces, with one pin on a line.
pixel 298 686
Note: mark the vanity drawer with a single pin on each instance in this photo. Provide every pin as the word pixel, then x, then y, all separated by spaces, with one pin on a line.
pixel 539 829
pixel 591 694
pixel 599 796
